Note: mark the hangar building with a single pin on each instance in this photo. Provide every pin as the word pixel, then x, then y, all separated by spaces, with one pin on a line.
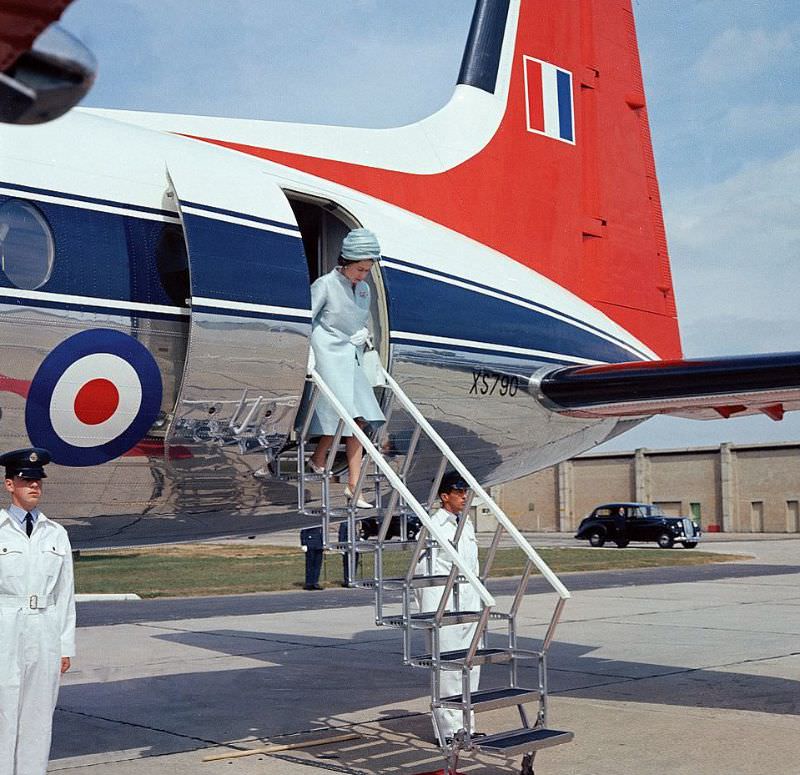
pixel 730 488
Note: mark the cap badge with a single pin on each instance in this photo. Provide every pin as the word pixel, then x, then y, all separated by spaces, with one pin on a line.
pixel 33 458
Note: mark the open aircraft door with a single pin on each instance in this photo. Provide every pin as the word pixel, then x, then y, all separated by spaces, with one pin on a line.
pixel 248 341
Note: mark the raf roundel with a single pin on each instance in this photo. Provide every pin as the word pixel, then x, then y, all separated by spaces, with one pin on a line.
pixel 93 398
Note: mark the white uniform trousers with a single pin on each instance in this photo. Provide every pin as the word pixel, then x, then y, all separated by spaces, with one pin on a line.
pixel 30 671
pixel 447 721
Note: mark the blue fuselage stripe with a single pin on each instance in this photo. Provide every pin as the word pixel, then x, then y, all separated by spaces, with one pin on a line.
pixel 511 296
pixel 112 257
pixel 243 216
pixel 426 306
pixel 88 199
pixel 408 344
pixel 232 262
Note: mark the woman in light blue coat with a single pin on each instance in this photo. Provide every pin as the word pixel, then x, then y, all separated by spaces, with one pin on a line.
pixel 340 302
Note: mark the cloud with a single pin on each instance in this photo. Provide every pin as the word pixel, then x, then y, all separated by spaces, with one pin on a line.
pixel 359 63
pixel 762 121
pixel 748 332
pixel 735 248
pixel 760 202
pixel 737 54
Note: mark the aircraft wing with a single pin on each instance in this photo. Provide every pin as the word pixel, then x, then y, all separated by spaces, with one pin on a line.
pixel 700 389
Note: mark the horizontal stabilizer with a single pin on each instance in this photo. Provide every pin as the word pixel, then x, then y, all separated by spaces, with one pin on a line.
pixel 703 388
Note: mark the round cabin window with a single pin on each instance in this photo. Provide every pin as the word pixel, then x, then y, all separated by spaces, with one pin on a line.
pixel 27 249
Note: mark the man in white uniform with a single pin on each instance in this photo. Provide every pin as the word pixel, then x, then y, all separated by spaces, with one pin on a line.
pixel 453 495
pixel 37 616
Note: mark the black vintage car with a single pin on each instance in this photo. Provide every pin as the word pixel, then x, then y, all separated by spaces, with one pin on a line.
pixel 370 527
pixel 626 522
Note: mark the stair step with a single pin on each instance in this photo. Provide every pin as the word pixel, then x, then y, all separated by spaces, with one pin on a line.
pixel 455 659
pixel 399 583
pixel 523 740
pixel 427 621
pixel 417 582
pixel 489 699
pixel 334 475
pixel 334 514
pixel 370 546
pixel 363 583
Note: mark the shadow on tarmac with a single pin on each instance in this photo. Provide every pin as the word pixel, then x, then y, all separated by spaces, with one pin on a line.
pixel 314 682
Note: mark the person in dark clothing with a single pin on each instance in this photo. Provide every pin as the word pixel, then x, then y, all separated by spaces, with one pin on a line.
pixel 311 541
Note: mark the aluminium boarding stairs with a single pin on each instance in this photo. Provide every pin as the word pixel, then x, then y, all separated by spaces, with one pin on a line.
pixel 394 499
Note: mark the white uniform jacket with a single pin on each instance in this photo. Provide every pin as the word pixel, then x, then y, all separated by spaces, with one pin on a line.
pixel 468 599
pixel 38 567
pixel 37 628
pixel 338 310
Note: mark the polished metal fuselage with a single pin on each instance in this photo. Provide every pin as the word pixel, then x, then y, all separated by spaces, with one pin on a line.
pixel 232 356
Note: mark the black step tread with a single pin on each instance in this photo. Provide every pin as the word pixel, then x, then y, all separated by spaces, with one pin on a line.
pixel 363 583
pixel 339 515
pixel 392 545
pixel 518 741
pixel 417 582
pixel 428 620
pixel 456 658
pixel 482 656
pixel 488 699
pixel 372 546
pixel 362 547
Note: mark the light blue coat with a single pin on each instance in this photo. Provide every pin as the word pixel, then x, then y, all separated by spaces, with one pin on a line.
pixel 338 310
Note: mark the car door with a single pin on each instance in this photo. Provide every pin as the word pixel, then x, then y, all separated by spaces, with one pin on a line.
pixel 618 523
pixel 638 524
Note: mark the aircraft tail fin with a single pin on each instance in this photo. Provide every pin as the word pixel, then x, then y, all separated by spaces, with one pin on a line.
pixel 544 154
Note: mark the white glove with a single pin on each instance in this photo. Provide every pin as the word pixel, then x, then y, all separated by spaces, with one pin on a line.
pixel 312 361
pixel 359 337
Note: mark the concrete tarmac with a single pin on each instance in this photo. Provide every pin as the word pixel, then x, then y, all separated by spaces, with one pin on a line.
pixel 657 673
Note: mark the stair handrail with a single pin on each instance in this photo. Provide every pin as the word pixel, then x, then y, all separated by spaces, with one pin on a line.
pixel 497 512
pixel 395 481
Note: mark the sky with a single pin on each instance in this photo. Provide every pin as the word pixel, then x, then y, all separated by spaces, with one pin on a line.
pixel 721 78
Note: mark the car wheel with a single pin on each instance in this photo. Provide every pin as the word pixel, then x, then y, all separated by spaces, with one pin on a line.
pixel 596 538
pixel 689 544
pixel 665 541
pixel 622 543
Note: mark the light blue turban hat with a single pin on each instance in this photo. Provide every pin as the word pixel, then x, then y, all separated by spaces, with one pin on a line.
pixel 361 245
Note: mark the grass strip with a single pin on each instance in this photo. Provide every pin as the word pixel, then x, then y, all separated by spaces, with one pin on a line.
pixel 225 569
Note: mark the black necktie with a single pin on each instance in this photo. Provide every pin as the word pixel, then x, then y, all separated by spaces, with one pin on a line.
pixel 28 523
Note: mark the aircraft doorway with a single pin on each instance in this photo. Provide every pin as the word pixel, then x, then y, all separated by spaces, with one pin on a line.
pixel 323 225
